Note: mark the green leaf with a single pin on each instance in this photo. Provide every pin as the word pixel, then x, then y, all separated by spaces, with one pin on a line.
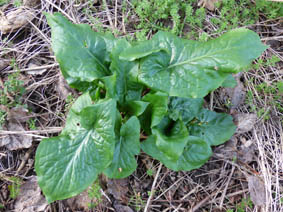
pixel 171 137
pixel 67 164
pixel 214 128
pixel 195 154
pixel 184 109
pixel 128 145
pixel 81 53
pixel 192 69
pixel 135 108
pixel 120 85
pixel 74 113
pixel 157 107
pixel 229 82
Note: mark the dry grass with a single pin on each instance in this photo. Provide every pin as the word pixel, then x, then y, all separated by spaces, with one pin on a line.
pixel 219 185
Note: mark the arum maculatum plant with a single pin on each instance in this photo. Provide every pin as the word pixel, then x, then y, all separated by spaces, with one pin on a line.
pixel 152 89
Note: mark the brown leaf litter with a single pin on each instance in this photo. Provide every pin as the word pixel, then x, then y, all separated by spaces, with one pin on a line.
pixel 245 122
pixel 79 202
pixel 16 19
pixel 257 190
pixel 208 4
pixel 30 198
pixel 236 95
pixel 16 116
pixel 119 189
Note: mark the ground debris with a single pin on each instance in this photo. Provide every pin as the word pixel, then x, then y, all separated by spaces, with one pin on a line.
pixel 245 122
pixel 15 19
pixel 122 208
pixel 30 198
pixel 3 64
pixel 236 95
pixel 35 69
pixel 18 114
pixel 31 3
pixel 246 152
pixel 62 87
pixel 79 202
pixel 257 190
pixel 15 141
pixel 208 4
pixel 119 189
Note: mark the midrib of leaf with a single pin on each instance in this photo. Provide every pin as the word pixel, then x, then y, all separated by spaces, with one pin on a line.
pixel 199 58
pixel 75 156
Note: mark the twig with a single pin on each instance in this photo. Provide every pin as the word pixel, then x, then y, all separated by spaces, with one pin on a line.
pixel 51 130
pixel 34 68
pixel 23 163
pixel 109 17
pixel 116 5
pixel 168 188
pixel 62 11
pixel 152 188
pixel 103 193
pixel 204 201
pixel 211 100
pixel 226 187
pixel 272 38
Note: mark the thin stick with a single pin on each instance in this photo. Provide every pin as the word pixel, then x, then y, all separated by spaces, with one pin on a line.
pixel 204 201
pixel 211 100
pixel 51 130
pixel 152 188
pixel 62 11
pixel 116 5
pixel 23 163
pixel 226 187
pixel 168 188
pixel 109 17
pixel 34 68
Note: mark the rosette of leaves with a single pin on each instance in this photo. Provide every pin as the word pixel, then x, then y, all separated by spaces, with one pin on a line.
pixel 154 88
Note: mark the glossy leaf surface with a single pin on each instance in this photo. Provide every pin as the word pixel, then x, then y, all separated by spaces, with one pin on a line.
pixel 192 69
pixel 128 145
pixel 81 53
pixel 120 86
pixel 195 154
pixel 214 128
pixel 184 109
pixel 171 137
pixel 157 108
pixel 69 163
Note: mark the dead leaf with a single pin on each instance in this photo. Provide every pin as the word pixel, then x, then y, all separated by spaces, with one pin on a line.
pixel 31 3
pixel 63 88
pixel 15 19
pixel 36 70
pixel 15 141
pixel 18 114
pixel 246 152
pixel 237 95
pixel 122 208
pixel 30 198
pixel 244 122
pixel 119 189
pixel 208 4
pixel 228 150
pixel 3 64
pixel 79 202
pixel 257 190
